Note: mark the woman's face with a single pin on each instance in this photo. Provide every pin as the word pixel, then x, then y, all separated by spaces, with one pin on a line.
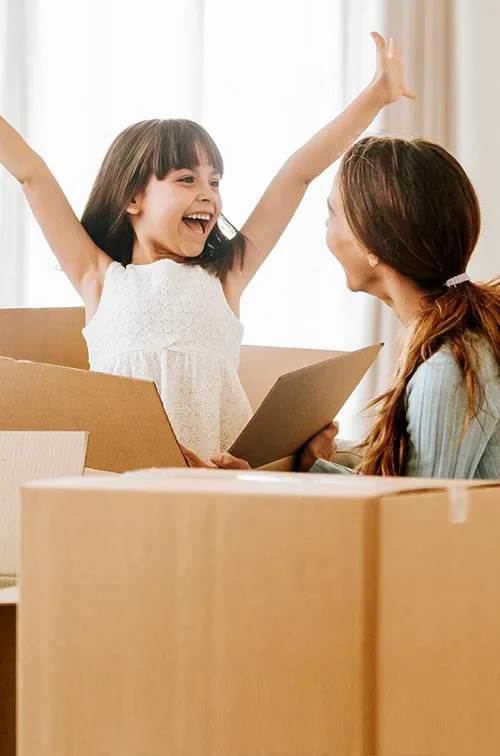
pixel 352 256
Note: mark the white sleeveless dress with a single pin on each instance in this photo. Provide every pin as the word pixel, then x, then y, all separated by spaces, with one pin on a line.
pixel 171 323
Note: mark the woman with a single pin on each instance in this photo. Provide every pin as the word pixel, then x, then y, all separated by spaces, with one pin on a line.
pixel 403 222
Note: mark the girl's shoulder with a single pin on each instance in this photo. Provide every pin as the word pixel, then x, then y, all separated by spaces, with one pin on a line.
pixel 164 269
pixel 120 278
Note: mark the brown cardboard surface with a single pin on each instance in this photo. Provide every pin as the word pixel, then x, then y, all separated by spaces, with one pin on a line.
pixel 229 620
pixel 127 426
pixel 136 433
pixel 50 334
pixel 260 367
pixel 299 405
pixel 439 624
pixel 256 612
pixel 287 464
pixel 54 336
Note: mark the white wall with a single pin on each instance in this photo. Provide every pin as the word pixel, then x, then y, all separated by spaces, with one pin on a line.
pixel 478 120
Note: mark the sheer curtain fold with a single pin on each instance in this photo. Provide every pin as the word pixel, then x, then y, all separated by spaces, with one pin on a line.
pixel 425 30
pixel 14 95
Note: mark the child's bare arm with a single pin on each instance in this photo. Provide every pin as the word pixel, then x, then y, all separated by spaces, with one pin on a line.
pixel 281 199
pixel 82 261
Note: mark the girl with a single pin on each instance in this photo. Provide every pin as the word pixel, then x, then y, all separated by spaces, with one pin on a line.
pixel 403 222
pixel 160 280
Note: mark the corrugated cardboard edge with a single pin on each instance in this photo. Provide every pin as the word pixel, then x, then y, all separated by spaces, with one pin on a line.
pixel 7 582
pixel 25 456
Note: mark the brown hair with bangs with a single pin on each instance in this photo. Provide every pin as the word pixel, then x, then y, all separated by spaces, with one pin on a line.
pixel 412 205
pixel 142 150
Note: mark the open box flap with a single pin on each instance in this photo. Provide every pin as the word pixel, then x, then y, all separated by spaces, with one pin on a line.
pixel 299 405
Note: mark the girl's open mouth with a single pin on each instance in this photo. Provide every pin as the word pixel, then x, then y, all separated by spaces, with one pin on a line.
pixel 197 222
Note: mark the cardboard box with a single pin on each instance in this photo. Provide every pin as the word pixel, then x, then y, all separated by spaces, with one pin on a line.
pixel 23 457
pixel 200 614
pixel 251 613
pixel 26 456
pixel 439 624
pixel 125 418
pixel 53 335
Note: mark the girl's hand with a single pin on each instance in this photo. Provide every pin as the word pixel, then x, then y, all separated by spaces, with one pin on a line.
pixel 226 461
pixel 192 459
pixel 389 77
pixel 220 461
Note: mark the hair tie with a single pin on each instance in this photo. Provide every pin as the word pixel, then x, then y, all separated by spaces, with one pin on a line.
pixel 456 280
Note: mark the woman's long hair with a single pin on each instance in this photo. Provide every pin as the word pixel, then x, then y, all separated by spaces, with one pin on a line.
pixel 411 204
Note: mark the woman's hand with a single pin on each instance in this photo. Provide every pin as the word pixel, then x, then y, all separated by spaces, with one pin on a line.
pixel 321 446
pixel 389 77
pixel 219 461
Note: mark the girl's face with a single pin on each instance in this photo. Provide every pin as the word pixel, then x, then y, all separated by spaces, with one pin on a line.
pixel 174 217
pixel 351 255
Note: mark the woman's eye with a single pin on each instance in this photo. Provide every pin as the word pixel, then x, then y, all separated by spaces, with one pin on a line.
pixel 216 183
pixel 187 179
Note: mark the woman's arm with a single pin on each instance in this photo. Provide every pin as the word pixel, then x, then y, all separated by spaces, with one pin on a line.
pixel 436 413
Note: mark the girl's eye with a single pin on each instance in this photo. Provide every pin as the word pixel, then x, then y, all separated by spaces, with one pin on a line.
pixel 187 179
pixel 216 183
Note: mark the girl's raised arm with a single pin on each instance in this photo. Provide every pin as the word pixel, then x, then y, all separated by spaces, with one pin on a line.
pixel 282 197
pixel 82 261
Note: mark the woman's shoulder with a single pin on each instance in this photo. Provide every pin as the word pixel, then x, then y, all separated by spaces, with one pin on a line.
pixel 441 372
pixel 441 363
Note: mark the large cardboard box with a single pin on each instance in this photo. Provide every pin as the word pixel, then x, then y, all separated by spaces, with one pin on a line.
pixel 438 673
pixel 200 614
pixel 220 613
pixel 127 425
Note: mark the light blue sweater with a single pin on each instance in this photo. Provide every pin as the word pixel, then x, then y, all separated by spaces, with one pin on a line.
pixel 436 407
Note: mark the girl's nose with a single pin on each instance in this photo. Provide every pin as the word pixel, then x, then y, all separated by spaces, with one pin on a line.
pixel 206 193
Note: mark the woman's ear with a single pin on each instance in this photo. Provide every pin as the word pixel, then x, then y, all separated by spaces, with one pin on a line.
pixel 373 260
pixel 134 206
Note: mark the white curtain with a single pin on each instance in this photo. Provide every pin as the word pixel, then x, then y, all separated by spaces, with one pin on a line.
pixel 15 38
pixel 478 115
pixel 425 30
pixel 261 76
